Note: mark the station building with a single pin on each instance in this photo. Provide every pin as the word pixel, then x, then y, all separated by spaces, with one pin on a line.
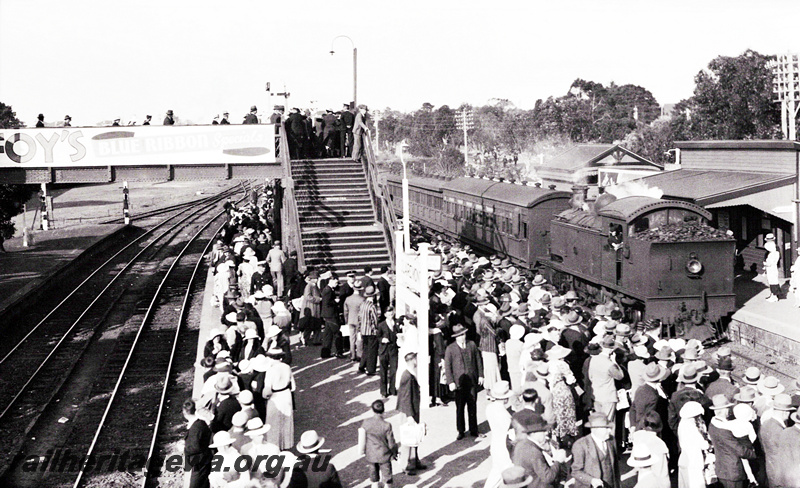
pixel 596 166
pixel 750 187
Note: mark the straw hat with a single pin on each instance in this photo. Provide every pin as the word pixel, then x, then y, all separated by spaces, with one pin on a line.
pixel 538 280
pixel 752 376
pixel 251 334
pixel 245 397
pixel 239 419
pixel 515 477
pixel 273 331
pixel 225 386
pixel 654 373
pixel 310 441
pixel 688 374
pixel 747 394
pixel 256 427
pixel 783 402
pixel 770 386
pixel 501 390
pixel 458 330
pixel 640 456
pixel 597 421
pixel 260 363
pixel 720 401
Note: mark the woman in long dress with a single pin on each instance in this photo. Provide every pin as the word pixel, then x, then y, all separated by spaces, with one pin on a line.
pixel 771 267
pixel 499 424
pixel 278 387
pixel 694 444
pixel 488 347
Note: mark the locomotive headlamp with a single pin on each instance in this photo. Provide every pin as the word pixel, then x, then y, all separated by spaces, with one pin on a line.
pixel 694 266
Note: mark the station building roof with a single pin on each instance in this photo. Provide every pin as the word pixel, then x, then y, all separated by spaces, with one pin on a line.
pixel 711 187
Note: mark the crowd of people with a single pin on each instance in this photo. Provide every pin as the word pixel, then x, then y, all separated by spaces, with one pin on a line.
pixel 324 135
pixel 571 385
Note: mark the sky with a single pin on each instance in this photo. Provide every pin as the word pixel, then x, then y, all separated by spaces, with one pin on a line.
pixel 98 60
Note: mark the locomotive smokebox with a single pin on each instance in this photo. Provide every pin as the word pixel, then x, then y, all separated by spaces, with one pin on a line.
pixel 579 195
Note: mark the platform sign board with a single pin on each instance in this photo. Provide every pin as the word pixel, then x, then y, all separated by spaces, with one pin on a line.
pixel 412 296
pixel 64 147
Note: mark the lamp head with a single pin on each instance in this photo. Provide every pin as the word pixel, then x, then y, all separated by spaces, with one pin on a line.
pixel 332 52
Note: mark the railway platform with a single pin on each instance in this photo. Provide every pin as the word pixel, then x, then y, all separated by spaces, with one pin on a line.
pixel 24 270
pixel 769 328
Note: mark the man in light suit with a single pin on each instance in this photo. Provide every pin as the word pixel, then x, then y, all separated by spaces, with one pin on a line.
pixel 789 460
pixel 595 456
pixel 603 372
pixel 769 435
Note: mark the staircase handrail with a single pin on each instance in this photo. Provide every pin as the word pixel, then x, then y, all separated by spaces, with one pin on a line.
pixel 380 196
pixel 292 239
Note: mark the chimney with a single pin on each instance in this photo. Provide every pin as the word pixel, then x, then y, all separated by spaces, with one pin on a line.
pixel 579 195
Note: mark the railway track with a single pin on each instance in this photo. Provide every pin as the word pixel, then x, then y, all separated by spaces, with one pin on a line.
pixel 34 371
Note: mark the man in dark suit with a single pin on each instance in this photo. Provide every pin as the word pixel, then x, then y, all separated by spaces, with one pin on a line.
pixel 724 384
pixel 329 310
pixel 408 403
pixel 384 299
pixel 729 450
pixel 227 403
pixel 376 443
pixel 348 120
pixel 686 392
pixel 224 120
pixel 650 397
pixel 198 438
pixel 387 354
pixel 318 474
pixel 169 120
pixel 296 130
pixel 251 118
pixel 595 456
pixel 329 133
pixel 528 451
pixel 40 120
pixel 463 367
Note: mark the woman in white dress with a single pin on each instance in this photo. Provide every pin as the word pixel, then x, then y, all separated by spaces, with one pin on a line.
pixel 278 387
pixel 771 267
pixel 694 444
pixel 499 424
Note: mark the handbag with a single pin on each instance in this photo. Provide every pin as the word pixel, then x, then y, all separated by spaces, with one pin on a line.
pixel 412 433
pixel 623 399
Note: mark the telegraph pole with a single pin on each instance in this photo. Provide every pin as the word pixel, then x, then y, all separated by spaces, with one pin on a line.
pixel 786 86
pixel 464 121
pixel 377 114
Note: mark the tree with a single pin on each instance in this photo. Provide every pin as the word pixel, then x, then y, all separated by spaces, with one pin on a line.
pixel 12 197
pixel 732 100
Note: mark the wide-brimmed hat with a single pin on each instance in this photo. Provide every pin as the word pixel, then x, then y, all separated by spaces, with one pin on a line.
pixel 752 376
pixel 260 363
pixel 239 419
pixel 517 332
pixel 623 330
pixel 677 344
pixel 542 370
pixel 548 301
pixel 221 439
pixel 642 351
pixel 557 352
pixel 747 394
pixel 530 421
pixel 725 364
pixel 602 311
pixel 256 427
pixel 522 310
pixel 250 334
pixel 515 477
pixel 690 354
pixel 501 390
pixel 770 386
pixel 691 409
pixel 370 291
pixel 783 402
pixel 720 401
pixel 795 417
pixel 593 349
pixel 654 373
pixel 598 420
pixel 688 374
pixel 481 297
pixel 572 318
pixel 310 441
pixel 225 386
pixel 665 353
pixel 538 280
pixel 273 331
pixel 640 456
pixel 608 342
pixel 459 330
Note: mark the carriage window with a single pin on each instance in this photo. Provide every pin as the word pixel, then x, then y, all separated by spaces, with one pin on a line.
pixel 524 230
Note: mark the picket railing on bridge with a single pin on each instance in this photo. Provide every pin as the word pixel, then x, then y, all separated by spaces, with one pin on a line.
pixel 380 196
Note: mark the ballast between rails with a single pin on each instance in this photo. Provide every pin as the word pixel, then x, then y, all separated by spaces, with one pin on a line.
pixel 99 296
pixel 144 323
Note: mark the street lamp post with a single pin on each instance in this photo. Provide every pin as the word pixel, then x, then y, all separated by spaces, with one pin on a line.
pixel 355 66
pixel 406 246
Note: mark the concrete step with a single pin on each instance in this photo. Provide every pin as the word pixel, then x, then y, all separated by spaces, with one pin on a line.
pixel 334 222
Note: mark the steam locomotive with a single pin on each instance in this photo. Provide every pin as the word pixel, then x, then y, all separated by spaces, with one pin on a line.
pixel 658 259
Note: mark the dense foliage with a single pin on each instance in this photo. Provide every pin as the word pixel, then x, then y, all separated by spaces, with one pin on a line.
pixel 732 99
pixel 11 196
